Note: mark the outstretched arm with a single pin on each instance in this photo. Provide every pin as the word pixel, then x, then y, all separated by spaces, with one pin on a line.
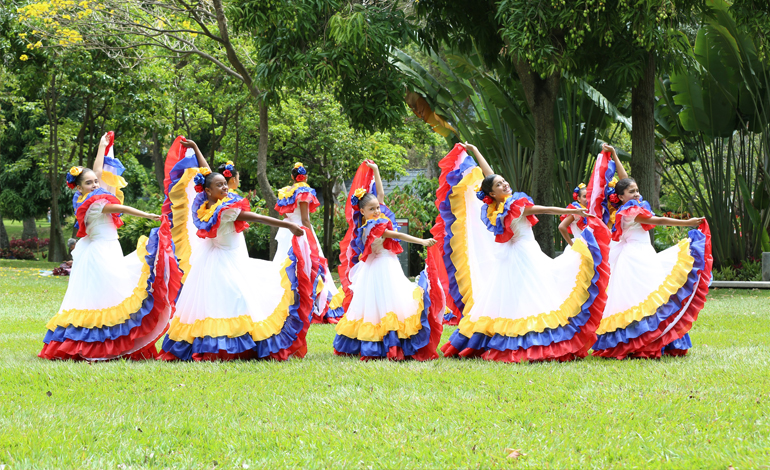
pixel 654 220
pixel 564 229
pixel 248 216
pixel 377 181
pixel 408 238
pixel 99 160
pixel 618 164
pixel 201 159
pixel 121 209
pixel 485 168
pixel 534 210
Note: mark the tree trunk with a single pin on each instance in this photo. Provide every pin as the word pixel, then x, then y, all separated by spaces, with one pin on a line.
pixel 158 160
pixel 541 99
pixel 4 243
pixel 264 184
pixel 643 134
pixel 57 251
pixel 29 229
pixel 328 192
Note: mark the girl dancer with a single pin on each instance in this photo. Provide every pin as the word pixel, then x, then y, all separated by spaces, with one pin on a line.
pixel 652 298
pixel 115 305
pixel 386 315
pixel 515 302
pixel 231 306
pixel 573 224
pixel 296 203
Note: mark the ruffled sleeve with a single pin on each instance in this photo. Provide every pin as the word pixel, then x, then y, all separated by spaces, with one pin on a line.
pixel 208 219
pixel 369 233
pixel 290 196
pixel 91 206
pixel 499 217
pixel 628 213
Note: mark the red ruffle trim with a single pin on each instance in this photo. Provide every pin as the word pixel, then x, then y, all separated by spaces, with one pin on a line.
pixel 631 212
pixel 514 212
pixel 389 243
pixel 575 348
pixel 164 303
pixel 240 225
pixel 437 305
pixel 646 345
pixel 83 210
pixel 306 196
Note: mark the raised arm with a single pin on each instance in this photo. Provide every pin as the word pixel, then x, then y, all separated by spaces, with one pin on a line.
pixel 99 160
pixel 201 159
pixel 485 168
pixel 377 181
pixel 618 164
pixel 247 216
pixel 408 238
pixel 128 210
pixel 655 220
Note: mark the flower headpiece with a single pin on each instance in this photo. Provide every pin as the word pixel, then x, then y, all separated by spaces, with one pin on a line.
pixel 483 197
pixel 72 176
pixel 576 191
pixel 200 179
pixel 356 197
pixel 301 172
pixel 229 168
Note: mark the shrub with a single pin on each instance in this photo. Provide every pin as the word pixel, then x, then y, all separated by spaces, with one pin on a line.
pixel 748 270
pixel 17 252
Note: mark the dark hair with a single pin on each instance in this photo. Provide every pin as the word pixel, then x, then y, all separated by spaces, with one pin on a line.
pixel 294 173
pixel 622 185
pixel 79 178
pixel 582 190
pixel 221 169
pixel 210 178
pixel 364 199
pixel 487 183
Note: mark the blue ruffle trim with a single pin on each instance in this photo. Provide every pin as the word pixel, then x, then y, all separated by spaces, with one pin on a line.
pixel 674 304
pixel 293 199
pixel 283 340
pixel 213 222
pixel 682 344
pixel 500 226
pixel 409 346
pixel 176 174
pixel 445 210
pixel 549 335
pixel 101 334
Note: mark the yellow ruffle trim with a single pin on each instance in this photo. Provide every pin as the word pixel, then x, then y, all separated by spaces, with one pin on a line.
pixel 320 287
pixel 673 282
pixel 205 214
pixel 459 241
pixel 110 316
pixel 366 331
pixel 116 182
pixel 337 300
pixel 571 306
pixel 180 212
pixel 238 326
pixel 288 191
pixel 496 209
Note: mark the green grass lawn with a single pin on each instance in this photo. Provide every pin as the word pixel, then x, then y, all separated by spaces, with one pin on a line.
pixel 710 409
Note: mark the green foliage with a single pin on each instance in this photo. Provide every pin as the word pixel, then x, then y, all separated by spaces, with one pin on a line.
pixel 136 227
pixel 667 236
pixel 748 270
pixel 417 203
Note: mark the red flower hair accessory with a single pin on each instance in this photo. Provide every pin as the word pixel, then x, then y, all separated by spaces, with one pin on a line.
pixel 614 199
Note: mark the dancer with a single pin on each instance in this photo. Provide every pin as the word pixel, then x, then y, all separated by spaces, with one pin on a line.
pixel 115 305
pixel 386 315
pixel 572 224
pixel 231 306
pixel 296 203
pixel 513 301
pixel 652 298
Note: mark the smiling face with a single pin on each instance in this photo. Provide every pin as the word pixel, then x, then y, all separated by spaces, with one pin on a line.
pixel 88 182
pixel 370 209
pixel 217 188
pixel 500 189
pixel 631 192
